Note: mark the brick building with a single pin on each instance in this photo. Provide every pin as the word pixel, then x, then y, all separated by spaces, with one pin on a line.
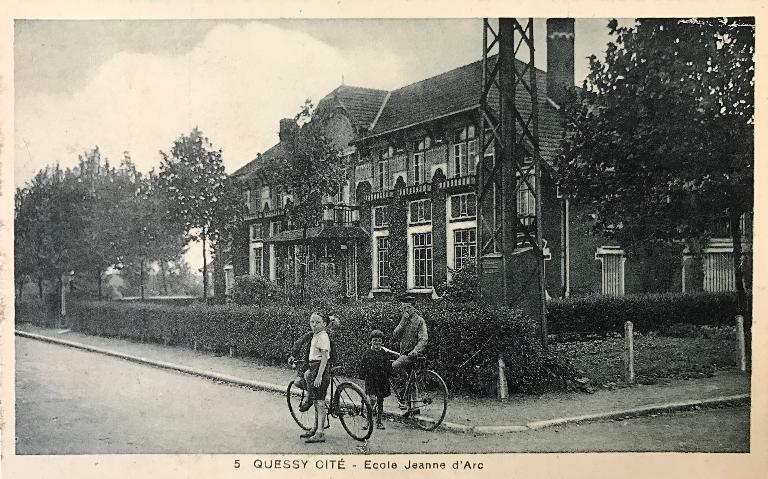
pixel 407 216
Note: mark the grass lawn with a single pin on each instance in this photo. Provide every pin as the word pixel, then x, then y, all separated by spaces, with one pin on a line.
pixel 684 353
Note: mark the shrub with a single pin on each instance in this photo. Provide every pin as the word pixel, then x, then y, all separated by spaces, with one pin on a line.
pixel 254 289
pixel 464 286
pixel 648 312
pixel 322 290
pixel 464 345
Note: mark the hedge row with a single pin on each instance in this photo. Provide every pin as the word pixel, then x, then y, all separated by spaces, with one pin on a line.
pixel 465 340
pixel 649 312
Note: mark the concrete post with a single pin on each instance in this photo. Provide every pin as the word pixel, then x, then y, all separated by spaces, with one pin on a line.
pixel 503 391
pixel 742 343
pixel 629 353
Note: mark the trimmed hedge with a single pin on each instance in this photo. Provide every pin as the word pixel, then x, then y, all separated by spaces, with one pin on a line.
pixel 648 312
pixel 465 339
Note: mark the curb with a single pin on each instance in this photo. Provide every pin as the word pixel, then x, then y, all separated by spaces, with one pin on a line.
pixel 643 411
pixel 738 399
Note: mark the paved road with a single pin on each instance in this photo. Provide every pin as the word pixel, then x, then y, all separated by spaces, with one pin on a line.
pixel 72 402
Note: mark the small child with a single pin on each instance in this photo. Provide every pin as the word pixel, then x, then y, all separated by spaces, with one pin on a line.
pixel 376 369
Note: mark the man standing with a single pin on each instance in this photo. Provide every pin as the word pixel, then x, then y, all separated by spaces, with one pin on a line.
pixel 412 334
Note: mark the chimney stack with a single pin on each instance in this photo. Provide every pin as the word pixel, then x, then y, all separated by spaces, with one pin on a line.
pixel 560 70
pixel 287 127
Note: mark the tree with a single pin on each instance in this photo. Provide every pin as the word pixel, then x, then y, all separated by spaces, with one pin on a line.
pixel 201 195
pixel 659 142
pixel 48 218
pixel 106 211
pixel 313 170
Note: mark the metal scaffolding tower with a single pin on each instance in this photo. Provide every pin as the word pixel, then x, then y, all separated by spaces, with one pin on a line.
pixel 509 186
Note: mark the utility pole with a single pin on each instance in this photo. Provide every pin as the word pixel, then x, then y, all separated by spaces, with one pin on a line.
pixel 509 184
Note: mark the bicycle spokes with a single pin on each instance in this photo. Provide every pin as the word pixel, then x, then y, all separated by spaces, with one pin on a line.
pixel 427 399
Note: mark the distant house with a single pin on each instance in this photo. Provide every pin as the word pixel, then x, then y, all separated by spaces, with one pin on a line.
pixel 415 153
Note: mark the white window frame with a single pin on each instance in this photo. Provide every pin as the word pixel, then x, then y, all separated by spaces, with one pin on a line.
pixel 526 197
pixel 257 258
pixel 423 260
pixel 380 263
pixel 465 152
pixel 466 245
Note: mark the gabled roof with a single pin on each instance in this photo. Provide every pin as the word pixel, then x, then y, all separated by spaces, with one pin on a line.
pixel 361 104
pixel 458 90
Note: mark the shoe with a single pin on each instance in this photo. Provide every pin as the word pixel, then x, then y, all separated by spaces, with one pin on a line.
pixel 316 438
pixel 402 405
pixel 305 406
pixel 365 427
pixel 308 434
pixel 380 426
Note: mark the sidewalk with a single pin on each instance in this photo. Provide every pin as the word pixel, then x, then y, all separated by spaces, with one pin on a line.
pixel 465 414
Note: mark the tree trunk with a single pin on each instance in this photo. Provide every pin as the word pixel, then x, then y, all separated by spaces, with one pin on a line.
pixel 98 281
pixel 40 288
pixel 163 278
pixel 141 279
pixel 205 271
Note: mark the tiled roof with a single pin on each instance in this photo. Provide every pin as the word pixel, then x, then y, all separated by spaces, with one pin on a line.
pixel 268 157
pixel 361 104
pixel 459 90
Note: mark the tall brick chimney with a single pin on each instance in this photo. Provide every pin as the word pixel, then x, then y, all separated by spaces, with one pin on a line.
pixel 287 127
pixel 560 70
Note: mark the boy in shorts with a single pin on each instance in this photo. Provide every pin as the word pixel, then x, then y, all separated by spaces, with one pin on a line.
pixel 318 377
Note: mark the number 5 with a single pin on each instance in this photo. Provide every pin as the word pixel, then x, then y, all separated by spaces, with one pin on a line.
pixel 237 463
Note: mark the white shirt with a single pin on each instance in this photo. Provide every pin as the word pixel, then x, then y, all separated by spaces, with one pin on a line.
pixel 320 342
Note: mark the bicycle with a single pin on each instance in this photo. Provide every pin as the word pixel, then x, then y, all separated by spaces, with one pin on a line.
pixel 424 396
pixel 348 403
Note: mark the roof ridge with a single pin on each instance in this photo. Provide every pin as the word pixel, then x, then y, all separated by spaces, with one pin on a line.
pixel 360 88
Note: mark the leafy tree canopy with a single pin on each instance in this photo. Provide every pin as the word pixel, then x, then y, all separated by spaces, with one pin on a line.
pixel 659 142
pixel 313 168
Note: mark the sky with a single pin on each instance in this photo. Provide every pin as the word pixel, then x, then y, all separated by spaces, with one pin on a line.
pixel 137 85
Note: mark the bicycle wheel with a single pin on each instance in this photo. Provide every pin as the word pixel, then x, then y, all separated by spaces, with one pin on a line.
pixel 354 411
pixel 294 395
pixel 427 397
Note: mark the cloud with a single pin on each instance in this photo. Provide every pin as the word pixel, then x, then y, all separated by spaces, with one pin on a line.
pixel 235 85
